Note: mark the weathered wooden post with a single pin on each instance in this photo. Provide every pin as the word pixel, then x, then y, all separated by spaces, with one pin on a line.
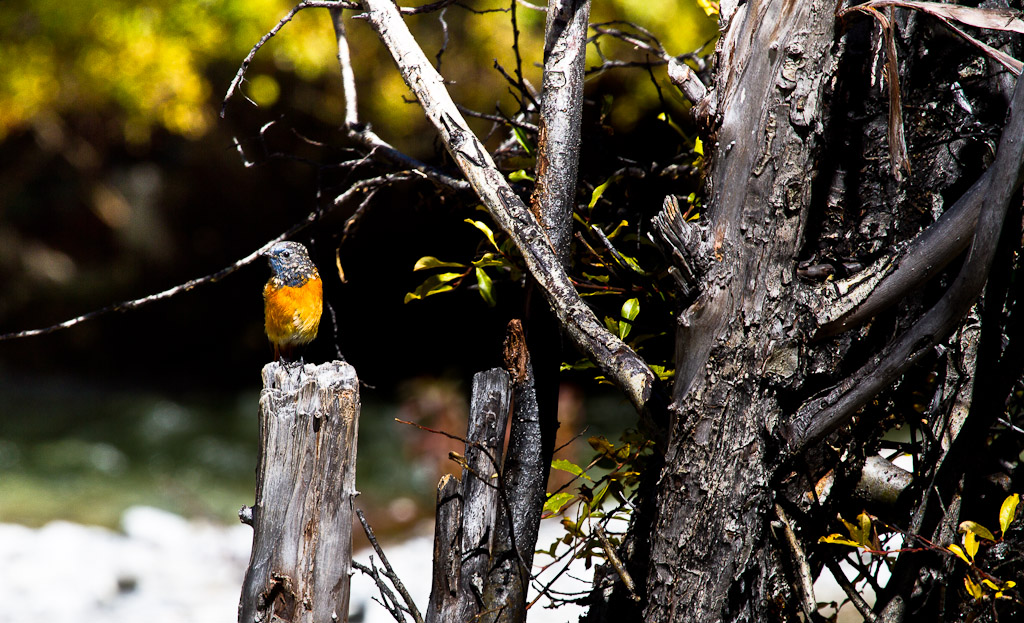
pixel 302 519
pixel 467 510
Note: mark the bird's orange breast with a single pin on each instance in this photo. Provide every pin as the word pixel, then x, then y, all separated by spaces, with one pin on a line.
pixel 292 314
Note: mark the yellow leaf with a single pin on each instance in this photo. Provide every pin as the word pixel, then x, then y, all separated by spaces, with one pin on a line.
pixel 1008 511
pixel 972 588
pixel 485 229
pixel 971 544
pixel 838 539
pixel 989 583
pixel 976 528
pixel 959 551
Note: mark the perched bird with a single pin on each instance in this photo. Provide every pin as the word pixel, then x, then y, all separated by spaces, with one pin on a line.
pixel 293 299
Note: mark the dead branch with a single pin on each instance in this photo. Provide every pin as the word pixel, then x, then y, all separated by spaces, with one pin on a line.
pixel 617 360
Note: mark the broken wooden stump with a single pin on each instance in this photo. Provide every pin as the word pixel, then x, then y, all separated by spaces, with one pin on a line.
pixel 467 510
pixel 302 519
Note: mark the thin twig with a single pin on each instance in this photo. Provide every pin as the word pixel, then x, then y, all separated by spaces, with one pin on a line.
pixel 387 598
pixel 388 571
pixel 851 592
pixel 168 293
pixel 803 570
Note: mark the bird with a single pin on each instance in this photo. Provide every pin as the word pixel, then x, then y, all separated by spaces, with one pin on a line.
pixel 293 299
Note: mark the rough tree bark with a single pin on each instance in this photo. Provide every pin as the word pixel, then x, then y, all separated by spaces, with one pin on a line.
pixel 302 518
pixel 708 556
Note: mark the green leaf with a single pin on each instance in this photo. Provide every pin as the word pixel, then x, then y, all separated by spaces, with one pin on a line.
pixel 434 284
pixel 483 281
pixel 611 324
pixel 624 328
pixel 698 146
pixel 662 372
pixel 618 228
pixel 632 264
pixel 1008 511
pixel 599 496
pixel 490 260
pixel 520 176
pixel 596 195
pixel 555 502
pixel 522 139
pixel 429 261
pixel 630 309
pixel 569 466
pixel 484 228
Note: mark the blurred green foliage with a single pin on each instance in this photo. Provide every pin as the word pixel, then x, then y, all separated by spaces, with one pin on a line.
pixel 147 64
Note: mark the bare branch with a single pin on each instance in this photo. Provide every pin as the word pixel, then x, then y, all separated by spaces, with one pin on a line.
pixel 166 294
pixel 388 571
pixel 617 360
pixel 348 76
pixel 561 113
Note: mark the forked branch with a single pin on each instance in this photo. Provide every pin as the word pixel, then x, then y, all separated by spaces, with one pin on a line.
pixel 617 360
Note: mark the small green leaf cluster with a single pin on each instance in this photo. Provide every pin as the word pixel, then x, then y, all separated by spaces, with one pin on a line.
pixel 498 257
pixel 589 501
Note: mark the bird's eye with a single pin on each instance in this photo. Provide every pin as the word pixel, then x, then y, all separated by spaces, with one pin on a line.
pixel 286 254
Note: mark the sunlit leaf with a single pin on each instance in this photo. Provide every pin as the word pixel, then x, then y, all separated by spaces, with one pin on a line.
pixel 596 195
pixel 569 466
pixel 698 146
pixel 484 228
pixel 434 284
pixel 672 124
pixel 490 260
pixel 597 278
pixel 710 7
pixel 630 309
pixel 976 528
pixel 555 502
pixel 428 261
pixel 1008 511
pixel 973 589
pixel 663 372
pixel 618 228
pixel 483 282
pixel 632 264
pixel 520 176
pixel 959 551
pixel 971 544
pixel 838 539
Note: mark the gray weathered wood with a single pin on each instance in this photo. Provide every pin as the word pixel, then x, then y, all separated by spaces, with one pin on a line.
pixel 302 519
pixel 524 481
pixel 488 414
pixel 447 565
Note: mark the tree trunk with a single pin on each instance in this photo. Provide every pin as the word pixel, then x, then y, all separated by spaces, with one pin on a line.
pixel 302 519
pixel 740 341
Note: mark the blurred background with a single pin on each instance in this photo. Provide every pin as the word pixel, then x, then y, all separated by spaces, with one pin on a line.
pixel 118 179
